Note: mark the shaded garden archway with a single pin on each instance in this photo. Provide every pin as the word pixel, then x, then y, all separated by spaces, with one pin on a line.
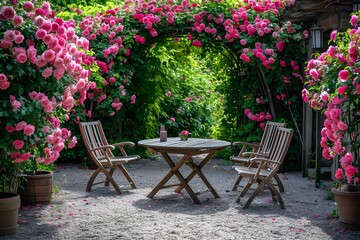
pixel 251 32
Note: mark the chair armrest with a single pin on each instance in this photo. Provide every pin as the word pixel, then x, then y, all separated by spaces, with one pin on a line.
pixel 121 146
pixel 263 160
pixel 255 154
pixel 131 144
pixel 255 145
pixel 105 147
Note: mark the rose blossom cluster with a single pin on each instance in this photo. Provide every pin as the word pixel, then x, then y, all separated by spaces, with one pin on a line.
pixel 47 49
pixel 61 56
pixel 333 85
pixel 258 117
pixel 56 141
pixel 108 25
pixel 350 171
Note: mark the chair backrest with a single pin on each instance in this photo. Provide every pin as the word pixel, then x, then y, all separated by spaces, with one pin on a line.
pixel 282 139
pixel 268 136
pixel 94 137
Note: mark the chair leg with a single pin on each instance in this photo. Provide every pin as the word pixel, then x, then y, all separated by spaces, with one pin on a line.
pixel 127 175
pixel 111 172
pixel 254 194
pixel 243 192
pixel 91 180
pixel 278 196
pixel 246 188
pixel 111 179
pixel 279 183
pixel 236 183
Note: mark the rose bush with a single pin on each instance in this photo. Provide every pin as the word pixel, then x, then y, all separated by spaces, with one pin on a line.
pixel 333 86
pixel 41 79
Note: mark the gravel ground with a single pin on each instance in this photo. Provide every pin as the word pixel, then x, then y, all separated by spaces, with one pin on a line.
pixel 102 214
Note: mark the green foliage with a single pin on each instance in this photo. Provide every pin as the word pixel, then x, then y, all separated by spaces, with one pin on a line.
pixel 182 75
pixel 77 9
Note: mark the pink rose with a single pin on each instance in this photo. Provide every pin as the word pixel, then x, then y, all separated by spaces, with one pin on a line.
pixel 47 26
pixel 342 126
pixel 28 6
pixel 59 73
pixel 133 99
pixel 342 90
pixel 8 12
pixel 324 96
pixel 48 55
pixel 354 20
pixel 21 58
pixel 73 142
pixel 20 126
pixel 19 39
pixel 40 34
pixel 22 158
pixel 4 85
pixel 10 129
pixel 80 84
pixel 333 35
pixel 339 174
pixel 29 130
pixel 17 21
pixel 47 72
pixel 16 105
pixel 3 78
pixel 344 75
pixel 280 46
pixel 314 74
pixel 39 20
pixel 18 144
pixel 350 172
pixel 58 147
pixel 346 160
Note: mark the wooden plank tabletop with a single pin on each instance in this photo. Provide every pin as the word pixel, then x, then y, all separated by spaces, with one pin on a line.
pixel 191 143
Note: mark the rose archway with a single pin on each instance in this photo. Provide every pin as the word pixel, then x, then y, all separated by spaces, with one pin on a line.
pixel 249 34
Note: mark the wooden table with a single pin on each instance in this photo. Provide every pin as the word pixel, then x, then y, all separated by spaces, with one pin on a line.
pixel 188 149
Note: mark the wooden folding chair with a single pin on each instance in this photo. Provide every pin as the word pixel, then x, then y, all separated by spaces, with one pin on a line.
pixel 267 166
pixel 243 158
pixel 101 153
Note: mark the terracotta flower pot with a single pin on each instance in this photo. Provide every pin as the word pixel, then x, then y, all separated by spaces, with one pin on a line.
pixel 37 188
pixel 348 203
pixel 9 213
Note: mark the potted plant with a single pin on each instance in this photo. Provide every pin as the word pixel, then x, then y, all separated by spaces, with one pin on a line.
pixel 41 78
pixel 333 86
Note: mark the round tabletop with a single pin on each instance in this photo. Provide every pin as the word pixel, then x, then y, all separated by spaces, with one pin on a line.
pixel 190 144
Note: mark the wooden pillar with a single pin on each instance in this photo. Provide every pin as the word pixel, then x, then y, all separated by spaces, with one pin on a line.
pixel 307 134
pixel 318 149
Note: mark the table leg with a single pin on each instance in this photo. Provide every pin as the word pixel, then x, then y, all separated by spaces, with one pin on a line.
pixel 175 171
pixel 197 170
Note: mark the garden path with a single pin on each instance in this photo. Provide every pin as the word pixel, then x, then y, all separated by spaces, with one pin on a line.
pixel 102 214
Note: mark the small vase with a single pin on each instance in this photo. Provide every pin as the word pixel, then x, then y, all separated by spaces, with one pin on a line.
pixel 348 203
pixel 184 137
